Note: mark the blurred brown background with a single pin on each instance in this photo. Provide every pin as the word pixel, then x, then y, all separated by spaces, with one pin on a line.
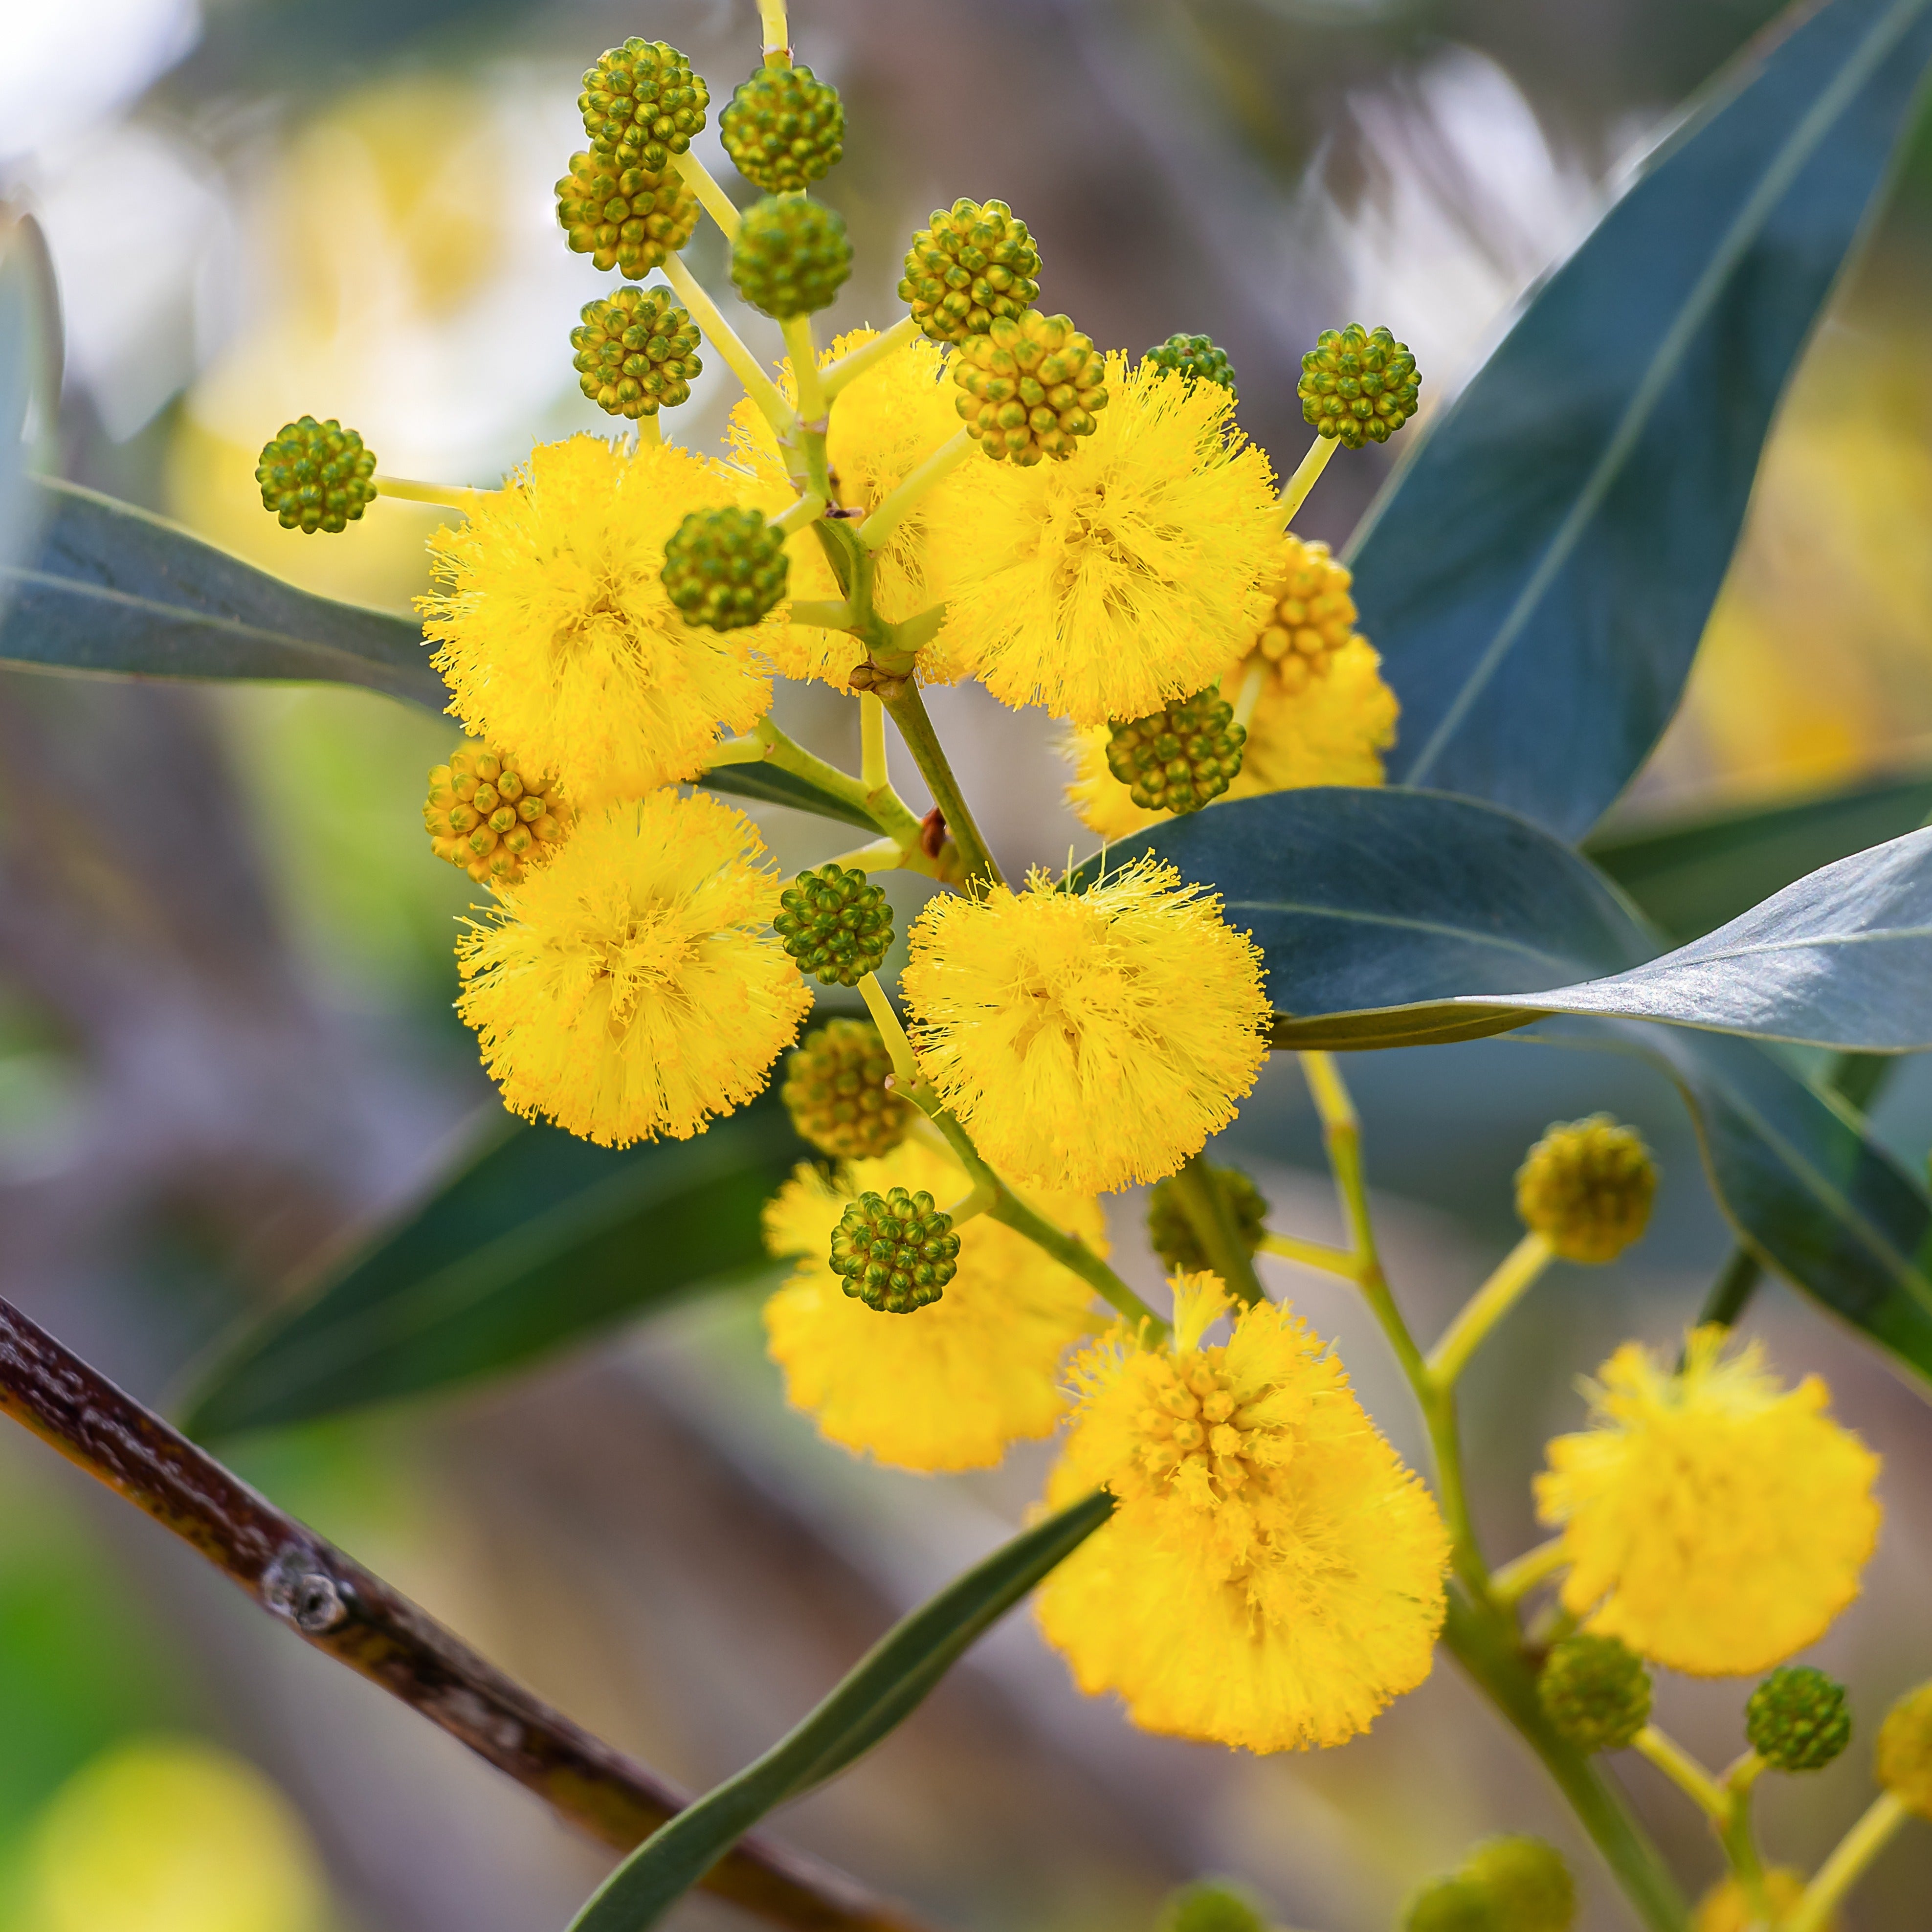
pixel 225 1038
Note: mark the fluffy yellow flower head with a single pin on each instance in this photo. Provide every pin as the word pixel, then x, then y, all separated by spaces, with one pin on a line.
pixel 628 989
pixel 881 428
pixel 1088 1040
pixel 1713 1520
pixel 1272 1576
pixel 1332 733
pixel 949 1387
pixel 556 637
pixel 1131 573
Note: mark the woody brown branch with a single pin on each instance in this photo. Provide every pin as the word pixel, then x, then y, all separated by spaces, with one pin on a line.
pixel 332 1603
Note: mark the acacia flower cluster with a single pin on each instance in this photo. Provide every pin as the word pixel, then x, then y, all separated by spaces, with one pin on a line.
pixel 978 490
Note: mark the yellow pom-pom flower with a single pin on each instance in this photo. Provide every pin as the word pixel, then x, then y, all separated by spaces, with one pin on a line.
pixel 1136 572
pixel 1713 1520
pixel 557 635
pixel 881 428
pixel 1725 1908
pixel 1088 1040
pixel 1272 1576
pixel 949 1386
pixel 628 989
pixel 1333 732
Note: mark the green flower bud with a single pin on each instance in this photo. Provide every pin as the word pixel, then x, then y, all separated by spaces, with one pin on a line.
pixel 1358 384
pixel 725 568
pixel 835 925
pixel 1586 1186
pixel 624 218
pixel 784 129
pixel 1595 1690
pixel 636 353
pixel 972 262
pixel 896 1251
pixel 1529 1886
pixel 641 103
pixel 1797 1720
pixel 791 257
pixel 1032 384
pixel 490 814
pixel 1196 358
pixel 1210 1905
pixel 1904 1756
pixel 1453 1904
pixel 834 1090
pixel 315 476
pixel 1177 758
pixel 1170 1234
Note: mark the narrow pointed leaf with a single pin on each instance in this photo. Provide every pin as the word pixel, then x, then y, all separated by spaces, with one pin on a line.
pixel 1538 577
pixel 112 589
pixel 30 350
pixel 1690 875
pixel 540 1241
pixel 884 1689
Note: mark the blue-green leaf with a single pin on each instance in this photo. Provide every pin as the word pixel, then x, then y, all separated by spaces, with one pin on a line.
pixel 1690 874
pixel 774 786
pixel 540 1241
pixel 886 1686
pixel 115 590
pixel 1806 1189
pixel 30 381
pixel 1538 575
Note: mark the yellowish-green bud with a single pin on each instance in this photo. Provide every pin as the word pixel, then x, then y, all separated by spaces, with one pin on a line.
pixel 1529 1886
pixel 1178 758
pixel 1358 384
pixel 1032 384
pixel 1595 1691
pixel 315 476
pixel 1797 1719
pixel 896 1251
pixel 1452 1904
pixel 836 1091
pixel 1904 1756
pixel 726 569
pixel 1586 1187
pixel 1725 1908
pixel 1210 1905
pixel 641 103
pixel 1196 358
pixel 836 924
pixel 784 129
pixel 636 353
pixel 1170 1234
pixel 1313 615
pixel 488 815
pixel 972 263
pixel 624 218
pixel 791 257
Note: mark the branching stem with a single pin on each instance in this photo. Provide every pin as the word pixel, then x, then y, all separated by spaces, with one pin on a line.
pixel 1514 1580
pixel 723 337
pixel 1310 1254
pixel 867 355
pixel 1487 1306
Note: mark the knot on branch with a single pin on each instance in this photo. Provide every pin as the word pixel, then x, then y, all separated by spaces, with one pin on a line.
pixel 295 1586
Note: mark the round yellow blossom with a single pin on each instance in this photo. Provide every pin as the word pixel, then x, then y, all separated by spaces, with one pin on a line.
pixel 557 638
pixel 1088 1040
pixel 951 1385
pixel 881 428
pixel 1334 732
pixel 628 989
pixel 1131 573
pixel 1725 1908
pixel 1903 1761
pixel 1714 1521
pixel 1272 1576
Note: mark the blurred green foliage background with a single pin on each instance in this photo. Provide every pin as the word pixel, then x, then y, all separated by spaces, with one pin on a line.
pixel 225 974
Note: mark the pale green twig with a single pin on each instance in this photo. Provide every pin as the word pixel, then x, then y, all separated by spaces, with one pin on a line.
pixel 1846 1865
pixel 1487 1306
pixel 702 183
pixel 867 355
pixel 723 337
pixel 887 517
pixel 1294 491
pixel 445 495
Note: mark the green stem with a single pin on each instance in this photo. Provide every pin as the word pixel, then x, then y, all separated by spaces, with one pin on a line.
pixel 1202 1201
pixel 849 368
pixel 1310 1254
pixel 723 337
pixel 887 517
pixel 889 812
pixel 1294 491
pixel 1685 1772
pixel 1253 681
pixel 777 34
pixel 445 495
pixel 701 182
pixel 909 714
pixel 1487 1306
pixel 1482 1641
pixel 807 509
pixel 1846 1865
pixel 1739 1840
pixel 796 330
pixel 1515 1579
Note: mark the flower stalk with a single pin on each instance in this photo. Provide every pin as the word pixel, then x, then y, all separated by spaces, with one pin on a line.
pixel 1294 491
pixel 1847 1863
pixel 1487 1306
